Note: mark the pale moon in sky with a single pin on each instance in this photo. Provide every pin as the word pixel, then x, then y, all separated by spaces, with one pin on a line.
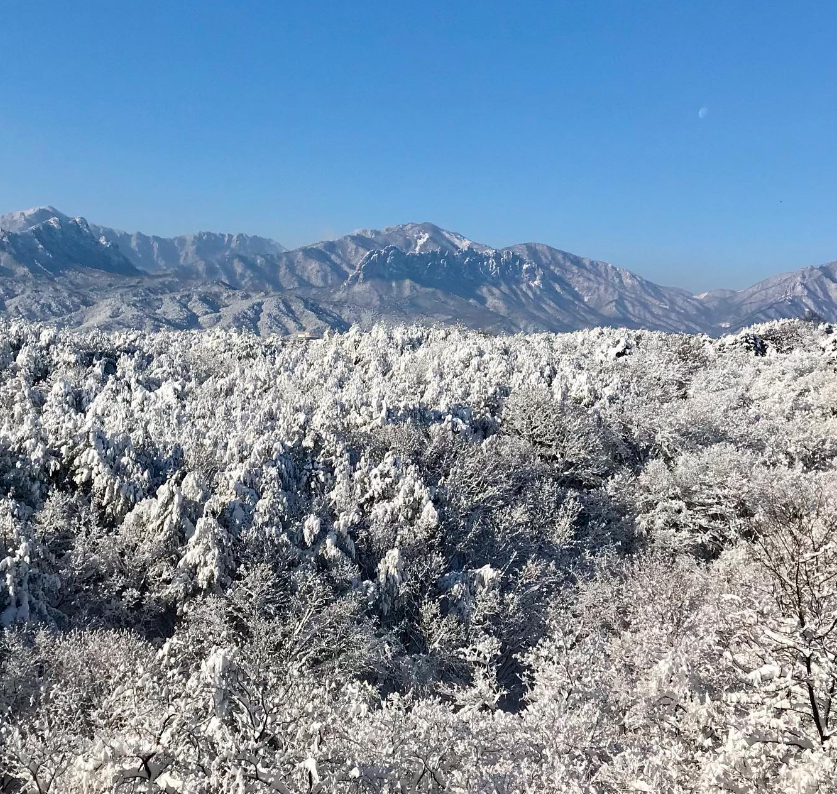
pixel 703 113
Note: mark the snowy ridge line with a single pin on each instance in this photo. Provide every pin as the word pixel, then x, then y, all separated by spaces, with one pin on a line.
pixel 63 270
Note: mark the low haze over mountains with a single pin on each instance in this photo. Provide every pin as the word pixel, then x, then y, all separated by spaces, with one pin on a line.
pixel 59 269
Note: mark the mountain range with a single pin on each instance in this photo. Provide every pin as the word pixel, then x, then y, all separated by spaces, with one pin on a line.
pixel 60 269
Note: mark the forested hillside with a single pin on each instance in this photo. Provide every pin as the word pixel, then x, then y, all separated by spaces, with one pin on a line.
pixel 418 560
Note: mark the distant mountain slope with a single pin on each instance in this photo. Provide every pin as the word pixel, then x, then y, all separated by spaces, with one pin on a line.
pixel 195 256
pixel 60 269
pixel 160 303
pixel 203 256
pixel 329 263
pixel 419 238
pixel 58 245
pixel 617 295
pixel 810 291
pixel 21 220
pixel 489 289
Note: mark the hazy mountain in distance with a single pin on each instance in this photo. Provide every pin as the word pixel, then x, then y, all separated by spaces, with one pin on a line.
pixel 196 256
pixel 55 246
pixel 329 263
pixel 200 256
pixel 60 269
pixel 809 291
pixel 491 289
pixel 617 295
pixel 21 220
pixel 160 303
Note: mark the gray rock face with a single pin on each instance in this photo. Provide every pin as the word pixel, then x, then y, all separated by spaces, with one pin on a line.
pixel 54 268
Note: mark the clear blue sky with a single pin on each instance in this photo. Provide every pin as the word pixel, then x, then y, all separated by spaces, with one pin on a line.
pixel 570 122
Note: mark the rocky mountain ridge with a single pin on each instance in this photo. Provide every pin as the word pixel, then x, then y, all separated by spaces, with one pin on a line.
pixel 55 268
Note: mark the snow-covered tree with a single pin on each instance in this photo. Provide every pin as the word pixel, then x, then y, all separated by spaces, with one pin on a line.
pixel 418 560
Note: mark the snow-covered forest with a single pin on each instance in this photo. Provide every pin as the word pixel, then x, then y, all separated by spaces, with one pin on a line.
pixel 418 560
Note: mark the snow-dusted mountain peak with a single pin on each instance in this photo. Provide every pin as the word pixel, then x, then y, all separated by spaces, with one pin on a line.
pixel 413 272
pixel 198 255
pixel 22 220
pixel 419 237
pixel 440 268
pixel 58 246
